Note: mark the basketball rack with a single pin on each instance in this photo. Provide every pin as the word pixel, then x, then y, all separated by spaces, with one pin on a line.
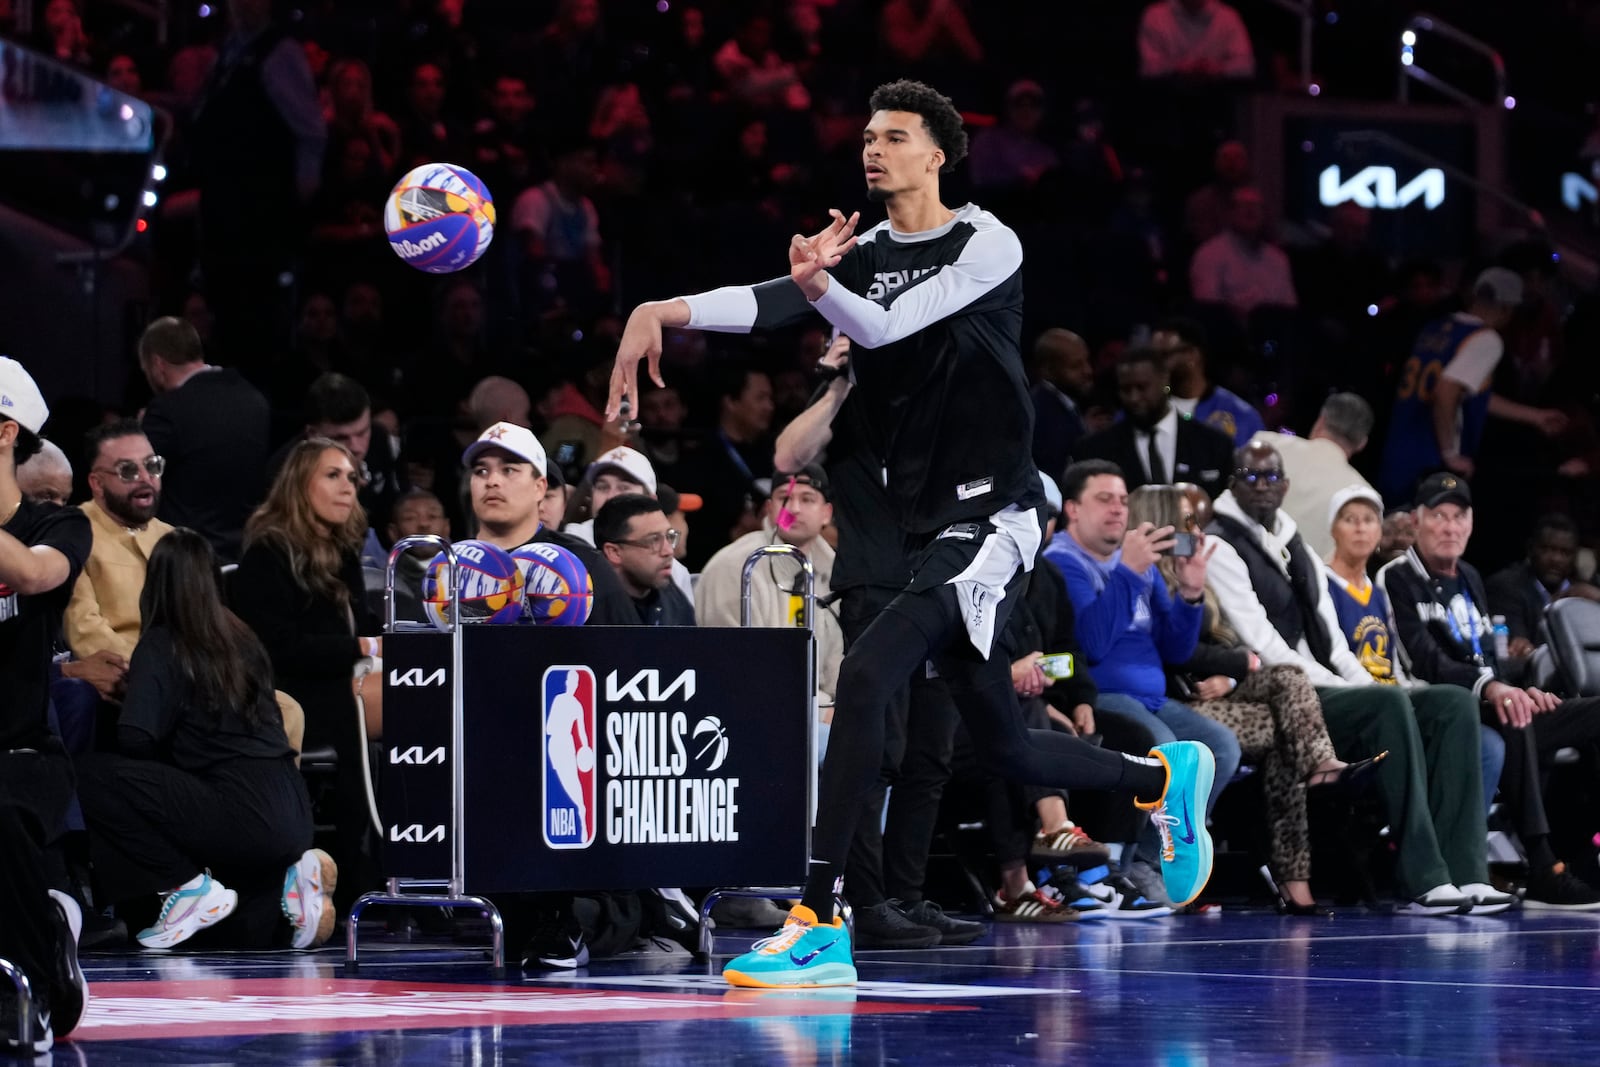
pixel 776 893
pixel 424 893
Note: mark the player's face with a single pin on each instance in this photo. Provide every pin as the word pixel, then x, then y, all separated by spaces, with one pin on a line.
pixel 506 489
pixel 1099 517
pixel 1357 530
pixel 898 154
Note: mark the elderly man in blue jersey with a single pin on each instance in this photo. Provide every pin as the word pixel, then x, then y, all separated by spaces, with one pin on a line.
pixel 931 300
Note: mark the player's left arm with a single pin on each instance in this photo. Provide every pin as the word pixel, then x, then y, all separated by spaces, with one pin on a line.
pixel 990 258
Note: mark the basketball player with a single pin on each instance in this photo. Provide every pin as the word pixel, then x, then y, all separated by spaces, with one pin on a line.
pixel 932 299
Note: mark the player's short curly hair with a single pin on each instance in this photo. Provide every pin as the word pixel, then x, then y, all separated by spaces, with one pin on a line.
pixel 938 114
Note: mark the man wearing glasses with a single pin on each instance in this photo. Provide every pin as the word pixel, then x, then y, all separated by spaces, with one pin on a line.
pixel 102 620
pixel 1274 591
pixel 637 540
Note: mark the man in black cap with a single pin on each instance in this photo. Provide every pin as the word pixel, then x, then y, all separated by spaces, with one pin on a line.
pixel 1441 607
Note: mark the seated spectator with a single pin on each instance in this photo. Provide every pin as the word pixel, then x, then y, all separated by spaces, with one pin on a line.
pixel 1318 465
pixel 1205 212
pixel 1013 156
pixel 507 479
pixel 102 622
pixel 796 514
pixel 1063 379
pixel 338 409
pixel 1152 444
pixel 1274 712
pixel 618 472
pixel 675 506
pixel 64 36
pixel 211 426
pixel 1129 625
pixel 122 74
pixel 560 230
pixel 929 33
pixel 1194 40
pixel 1239 267
pixel 726 471
pixel 204 782
pixel 503 141
pixel 1183 342
pixel 427 134
pixel 755 74
pixel 1274 593
pixel 299 587
pixel 637 541
pixel 416 512
pixel 1362 608
pixel 46 478
pixel 575 431
pixel 1344 276
pixel 1525 589
pixel 1445 639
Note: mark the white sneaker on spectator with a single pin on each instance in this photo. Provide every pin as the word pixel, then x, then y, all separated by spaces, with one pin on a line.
pixel 1440 900
pixel 1486 899
pixel 307 900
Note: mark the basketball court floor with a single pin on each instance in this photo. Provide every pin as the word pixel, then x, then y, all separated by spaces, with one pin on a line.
pixel 1239 988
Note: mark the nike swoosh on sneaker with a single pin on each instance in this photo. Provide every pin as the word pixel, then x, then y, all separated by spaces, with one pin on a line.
pixel 1188 823
pixel 801 961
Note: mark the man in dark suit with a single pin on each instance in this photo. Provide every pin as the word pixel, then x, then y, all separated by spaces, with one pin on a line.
pixel 1063 377
pixel 1152 443
pixel 1523 590
pixel 211 425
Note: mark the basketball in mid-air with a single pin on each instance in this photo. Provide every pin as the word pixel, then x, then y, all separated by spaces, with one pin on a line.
pixel 440 218
pixel 557 589
pixel 489 579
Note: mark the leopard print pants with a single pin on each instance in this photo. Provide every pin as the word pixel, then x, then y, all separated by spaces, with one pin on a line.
pixel 1278 720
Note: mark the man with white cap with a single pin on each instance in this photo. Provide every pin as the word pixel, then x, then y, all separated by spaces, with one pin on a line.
pixel 42 552
pixel 1443 399
pixel 619 472
pixel 506 471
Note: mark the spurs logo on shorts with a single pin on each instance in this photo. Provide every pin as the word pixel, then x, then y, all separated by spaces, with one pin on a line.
pixel 568 809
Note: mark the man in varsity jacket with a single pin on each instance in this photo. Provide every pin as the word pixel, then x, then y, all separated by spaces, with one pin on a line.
pixel 1441 615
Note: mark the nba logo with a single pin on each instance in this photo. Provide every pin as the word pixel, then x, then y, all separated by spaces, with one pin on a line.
pixel 569 810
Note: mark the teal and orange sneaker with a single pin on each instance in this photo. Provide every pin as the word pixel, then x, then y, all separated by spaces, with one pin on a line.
pixel 803 954
pixel 1180 818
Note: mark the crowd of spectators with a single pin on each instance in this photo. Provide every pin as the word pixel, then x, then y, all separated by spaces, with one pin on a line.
pixel 306 399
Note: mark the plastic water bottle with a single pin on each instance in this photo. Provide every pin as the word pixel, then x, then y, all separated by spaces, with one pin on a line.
pixel 1502 637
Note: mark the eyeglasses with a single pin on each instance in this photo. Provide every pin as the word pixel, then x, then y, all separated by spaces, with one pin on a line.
pixel 128 471
pixel 1250 477
pixel 654 542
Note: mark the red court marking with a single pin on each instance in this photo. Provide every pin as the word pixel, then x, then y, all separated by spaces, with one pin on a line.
pixel 149 1010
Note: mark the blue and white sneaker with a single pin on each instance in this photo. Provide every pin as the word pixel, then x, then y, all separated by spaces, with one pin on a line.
pixel 804 953
pixel 1180 818
pixel 202 901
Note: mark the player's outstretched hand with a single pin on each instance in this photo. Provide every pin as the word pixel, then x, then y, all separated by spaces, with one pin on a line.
pixel 810 257
pixel 641 340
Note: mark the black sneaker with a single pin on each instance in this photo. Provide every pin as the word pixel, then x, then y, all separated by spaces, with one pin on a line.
pixel 885 926
pixel 40 1038
pixel 69 991
pixel 952 931
pixel 558 945
pixel 1559 890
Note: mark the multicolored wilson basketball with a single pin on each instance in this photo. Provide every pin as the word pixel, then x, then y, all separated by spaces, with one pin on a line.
pixel 557 589
pixel 490 581
pixel 440 218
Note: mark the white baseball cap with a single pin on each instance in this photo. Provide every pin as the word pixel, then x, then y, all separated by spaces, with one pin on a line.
pixel 1349 493
pixel 20 399
pixel 518 440
pixel 630 462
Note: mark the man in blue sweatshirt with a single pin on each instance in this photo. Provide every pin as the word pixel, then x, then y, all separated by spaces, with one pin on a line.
pixel 1129 626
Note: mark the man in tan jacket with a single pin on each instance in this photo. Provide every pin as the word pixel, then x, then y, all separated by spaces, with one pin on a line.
pixel 102 618
pixel 776 586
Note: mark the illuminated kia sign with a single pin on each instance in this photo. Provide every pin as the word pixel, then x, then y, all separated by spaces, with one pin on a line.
pixel 1379 188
